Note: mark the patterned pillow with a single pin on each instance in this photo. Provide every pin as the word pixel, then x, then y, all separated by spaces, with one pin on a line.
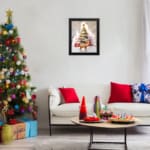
pixel 141 93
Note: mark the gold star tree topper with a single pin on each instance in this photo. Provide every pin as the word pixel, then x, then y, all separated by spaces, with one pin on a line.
pixel 9 15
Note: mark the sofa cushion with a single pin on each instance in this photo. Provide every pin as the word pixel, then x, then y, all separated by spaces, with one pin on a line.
pixel 69 95
pixel 141 93
pixel 70 109
pixel 136 109
pixel 120 93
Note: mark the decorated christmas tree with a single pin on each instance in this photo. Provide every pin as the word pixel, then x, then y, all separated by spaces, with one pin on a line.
pixel 17 96
pixel 84 40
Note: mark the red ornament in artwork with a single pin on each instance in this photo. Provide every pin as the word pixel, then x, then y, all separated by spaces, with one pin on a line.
pixel 83 110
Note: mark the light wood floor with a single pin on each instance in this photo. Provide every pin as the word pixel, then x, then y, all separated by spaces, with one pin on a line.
pixel 74 138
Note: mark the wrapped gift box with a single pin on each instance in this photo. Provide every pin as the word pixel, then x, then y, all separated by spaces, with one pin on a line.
pixel 0 134
pixel 31 127
pixel 1 124
pixel 18 130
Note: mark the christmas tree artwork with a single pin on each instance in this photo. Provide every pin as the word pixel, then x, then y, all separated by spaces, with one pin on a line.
pixel 17 96
pixel 84 41
pixel 84 38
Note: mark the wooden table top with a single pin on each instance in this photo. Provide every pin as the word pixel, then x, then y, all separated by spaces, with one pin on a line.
pixel 106 124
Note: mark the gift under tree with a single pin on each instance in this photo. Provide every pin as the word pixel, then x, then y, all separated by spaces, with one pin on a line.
pixel 17 96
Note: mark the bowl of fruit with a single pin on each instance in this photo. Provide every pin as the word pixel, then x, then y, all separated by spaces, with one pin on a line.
pixel 122 118
pixel 106 114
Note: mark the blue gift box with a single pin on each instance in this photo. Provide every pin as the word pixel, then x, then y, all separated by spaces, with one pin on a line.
pixel 31 127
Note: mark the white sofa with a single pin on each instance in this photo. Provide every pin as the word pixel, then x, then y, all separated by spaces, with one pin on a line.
pixel 61 114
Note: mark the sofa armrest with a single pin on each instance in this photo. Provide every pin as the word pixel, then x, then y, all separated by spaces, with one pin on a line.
pixel 52 101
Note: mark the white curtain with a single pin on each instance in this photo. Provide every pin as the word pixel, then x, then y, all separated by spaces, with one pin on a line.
pixel 146 42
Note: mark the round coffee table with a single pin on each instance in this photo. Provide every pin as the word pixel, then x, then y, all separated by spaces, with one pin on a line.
pixel 109 125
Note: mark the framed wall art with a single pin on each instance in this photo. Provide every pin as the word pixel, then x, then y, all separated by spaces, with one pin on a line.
pixel 84 36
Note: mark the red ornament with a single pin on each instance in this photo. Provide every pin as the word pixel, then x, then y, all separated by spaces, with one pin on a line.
pixel 23 82
pixel 15 58
pixel 18 39
pixel 1 90
pixel 22 94
pixel 12 85
pixel 10 112
pixel 7 42
pixel 33 97
pixel 83 110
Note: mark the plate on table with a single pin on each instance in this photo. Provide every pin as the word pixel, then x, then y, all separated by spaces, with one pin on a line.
pixel 122 121
pixel 85 121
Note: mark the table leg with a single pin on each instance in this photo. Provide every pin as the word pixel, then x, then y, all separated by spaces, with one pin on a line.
pixel 125 138
pixel 91 138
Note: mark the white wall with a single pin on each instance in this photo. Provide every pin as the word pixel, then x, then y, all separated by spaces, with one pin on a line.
pixel 43 27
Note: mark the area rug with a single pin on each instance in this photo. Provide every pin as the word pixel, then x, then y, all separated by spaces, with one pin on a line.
pixel 78 139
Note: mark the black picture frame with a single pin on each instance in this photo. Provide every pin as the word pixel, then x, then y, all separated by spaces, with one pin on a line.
pixel 84 36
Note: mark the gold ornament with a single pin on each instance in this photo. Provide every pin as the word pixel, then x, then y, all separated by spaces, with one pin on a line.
pixel 5 102
pixel 9 99
pixel 5 32
pixel 25 100
pixel 7 86
pixel 1 76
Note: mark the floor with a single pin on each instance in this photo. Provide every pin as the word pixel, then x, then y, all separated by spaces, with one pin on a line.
pixel 75 138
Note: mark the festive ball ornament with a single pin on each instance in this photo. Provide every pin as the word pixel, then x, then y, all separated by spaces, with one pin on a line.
pixel 22 94
pixel 1 90
pixel 33 97
pixel 22 109
pixel 7 42
pixel 2 59
pixel 7 86
pixel 13 41
pixel 5 102
pixel 13 96
pixel 9 26
pixel 18 86
pixel 18 39
pixel 22 72
pixel 15 58
pixel 10 112
pixel 11 69
pixel 25 100
pixel 4 32
pixel 8 81
pixel 16 107
pixel 18 62
pixel 2 76
pixel 9 99
pixel 11 31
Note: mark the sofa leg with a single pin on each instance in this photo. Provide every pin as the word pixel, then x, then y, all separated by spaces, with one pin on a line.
pixel 50 130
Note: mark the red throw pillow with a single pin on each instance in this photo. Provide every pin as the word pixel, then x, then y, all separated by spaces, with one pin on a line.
pixel 69 95
pixel 120 93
